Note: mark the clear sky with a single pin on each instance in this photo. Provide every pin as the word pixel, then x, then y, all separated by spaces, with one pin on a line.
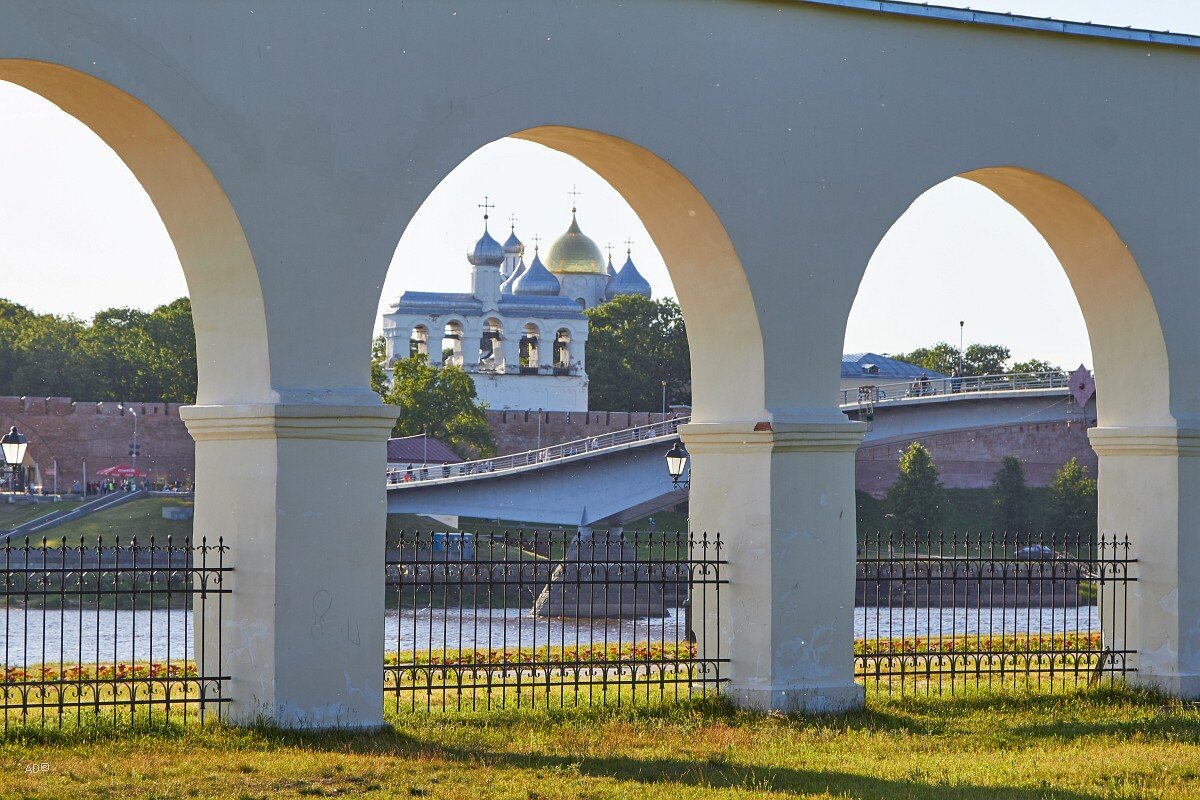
pixel 77 232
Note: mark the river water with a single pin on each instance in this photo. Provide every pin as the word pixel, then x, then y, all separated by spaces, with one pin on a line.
pixel 72 637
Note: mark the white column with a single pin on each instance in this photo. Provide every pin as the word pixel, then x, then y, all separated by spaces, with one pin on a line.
pixel 296 491
pixel 782 497
pixel 1148 490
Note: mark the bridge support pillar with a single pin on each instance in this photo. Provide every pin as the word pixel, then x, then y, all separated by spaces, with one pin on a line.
pixel 782 497
pixel 295 491
pixel 1148 490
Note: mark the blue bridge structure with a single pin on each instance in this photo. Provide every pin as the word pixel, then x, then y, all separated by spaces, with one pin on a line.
pixel 613 479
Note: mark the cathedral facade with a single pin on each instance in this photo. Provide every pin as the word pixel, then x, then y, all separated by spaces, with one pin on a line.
pixel 520 332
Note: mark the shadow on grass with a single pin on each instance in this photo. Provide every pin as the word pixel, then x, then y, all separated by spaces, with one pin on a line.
pixel 449 736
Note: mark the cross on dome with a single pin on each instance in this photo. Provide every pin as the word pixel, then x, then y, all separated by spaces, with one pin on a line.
pixel 628 246
pixel 574 197
pixel 485 206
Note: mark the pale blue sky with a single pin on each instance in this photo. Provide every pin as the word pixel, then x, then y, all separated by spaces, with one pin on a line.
pixel 78 234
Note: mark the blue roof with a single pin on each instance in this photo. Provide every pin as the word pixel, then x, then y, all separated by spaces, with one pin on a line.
pixel 1014 21
pixel 440 302
pixel 859 365
pixel 540 306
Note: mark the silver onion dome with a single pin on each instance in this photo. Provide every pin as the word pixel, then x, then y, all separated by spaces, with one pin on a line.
pixel 487 252
pixel 628 281
pixel 536 280
pixel 507 286
pixel 513 245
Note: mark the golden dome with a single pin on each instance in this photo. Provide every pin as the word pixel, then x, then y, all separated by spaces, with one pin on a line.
pixel 573 253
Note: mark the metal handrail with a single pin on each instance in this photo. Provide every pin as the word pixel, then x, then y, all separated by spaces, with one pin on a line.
pixel 936 387
pixel 668 428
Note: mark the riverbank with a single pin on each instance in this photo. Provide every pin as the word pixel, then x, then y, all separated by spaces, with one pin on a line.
pixel 1012 745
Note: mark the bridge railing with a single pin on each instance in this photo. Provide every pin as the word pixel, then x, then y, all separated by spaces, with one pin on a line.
pixel 417 473
pixel 933 387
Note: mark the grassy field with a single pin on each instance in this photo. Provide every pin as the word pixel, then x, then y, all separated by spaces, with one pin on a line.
pixel 14 514
pixel 141 518
pixel 969 511
pixel 1098 744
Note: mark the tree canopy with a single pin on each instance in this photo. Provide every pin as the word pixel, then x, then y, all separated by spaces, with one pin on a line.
pixel 1072 501
pixel 1010 496
pixel 440 401
pixel 977 359
pixel 121 354
pixel 917 501
pixel 634 344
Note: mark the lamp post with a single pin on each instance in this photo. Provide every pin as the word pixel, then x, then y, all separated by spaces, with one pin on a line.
pixel 133 449
pixel 13 445
pixel 961 323
pixel 677 458
pixel 664 400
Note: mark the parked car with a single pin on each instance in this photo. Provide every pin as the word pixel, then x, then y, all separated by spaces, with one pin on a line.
pixel 1035 552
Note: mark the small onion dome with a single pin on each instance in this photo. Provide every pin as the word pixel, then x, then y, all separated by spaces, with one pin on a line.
pixel 513 246
pixel 610 270
pixel 536 279
pixel 487 251
pixel 574 253
pixel 507 286
pixel 628 281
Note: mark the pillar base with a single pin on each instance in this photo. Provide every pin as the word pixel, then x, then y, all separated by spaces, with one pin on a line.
pixel 1185 687
pixel 834 699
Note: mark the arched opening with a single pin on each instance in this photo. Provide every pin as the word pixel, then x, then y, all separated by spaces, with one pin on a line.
pixel 562 352
pixel 451 353
pixel 529 349
pixel 491 346
pixel 705 273
pixel 1103 289
pixel 227 308
pixel 1012 433
pixel 418 343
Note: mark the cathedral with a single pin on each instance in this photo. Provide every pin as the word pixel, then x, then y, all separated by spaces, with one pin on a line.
pixel 520 332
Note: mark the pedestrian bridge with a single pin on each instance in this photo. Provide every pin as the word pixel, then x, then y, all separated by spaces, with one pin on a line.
pixel 615 478
pixel 607 480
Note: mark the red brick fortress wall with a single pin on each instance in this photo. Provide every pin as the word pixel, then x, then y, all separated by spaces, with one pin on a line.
pixel 71 433
pixel 517 431
pixel 968 459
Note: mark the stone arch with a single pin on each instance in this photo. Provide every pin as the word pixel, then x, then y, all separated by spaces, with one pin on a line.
pixel 728 372
pixel 1128 346
pixel 222 280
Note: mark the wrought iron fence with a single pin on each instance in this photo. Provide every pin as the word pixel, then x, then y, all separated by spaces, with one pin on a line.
pixel 943 613
pixel 483 621
pixel 117 629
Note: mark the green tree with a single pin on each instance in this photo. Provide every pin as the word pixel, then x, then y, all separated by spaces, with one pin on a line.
pixel 977 359
pixel 1034 365
pixel 1071 501
pixel 442 402
pixel 379 382
pixel 1010 496
pixel 634 344
pixel 917 501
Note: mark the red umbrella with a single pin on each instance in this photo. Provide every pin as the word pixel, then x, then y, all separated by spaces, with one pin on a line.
pixel 123 471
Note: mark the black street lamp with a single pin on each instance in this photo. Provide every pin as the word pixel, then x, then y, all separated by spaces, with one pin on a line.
pixel 677 458
pixel 13 445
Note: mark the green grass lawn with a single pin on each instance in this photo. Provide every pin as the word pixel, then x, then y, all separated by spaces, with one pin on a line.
pixel 141 518
pixel 1016 746
pixel 968 511
pixel 14 514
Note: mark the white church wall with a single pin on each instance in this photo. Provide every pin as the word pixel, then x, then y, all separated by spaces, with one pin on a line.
pixel 523 392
